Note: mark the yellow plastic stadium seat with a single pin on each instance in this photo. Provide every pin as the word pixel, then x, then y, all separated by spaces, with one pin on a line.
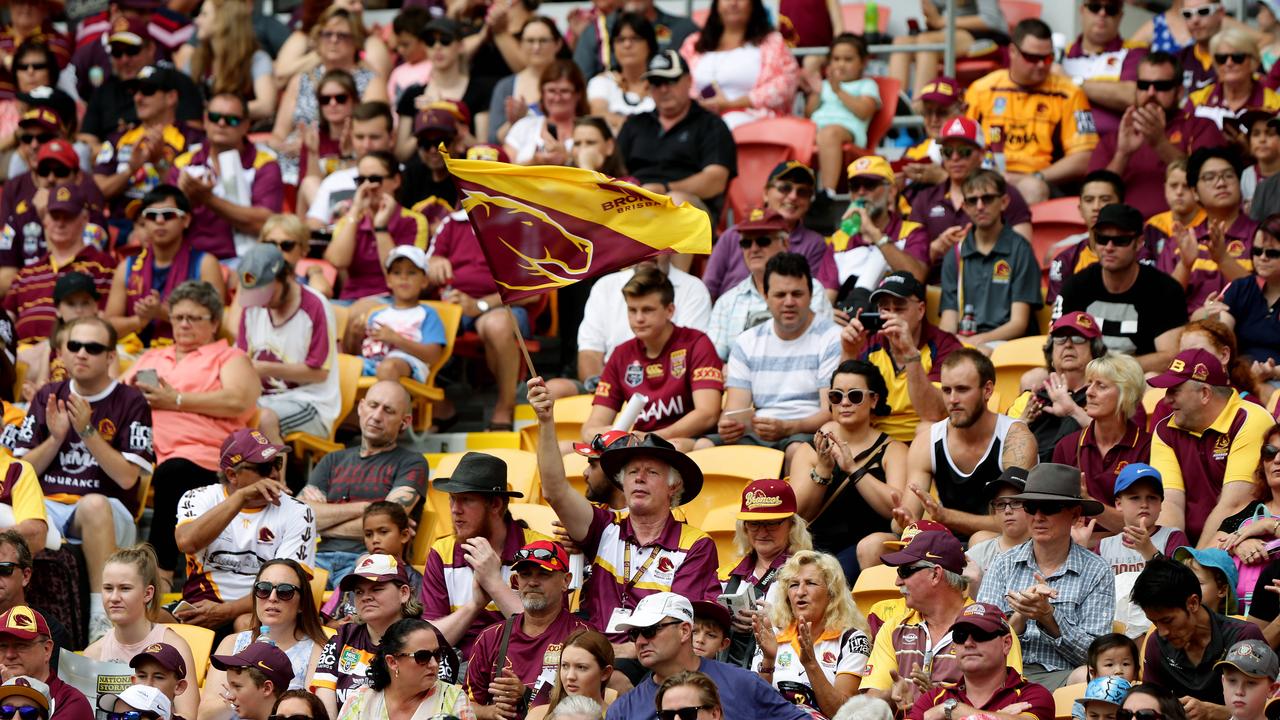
pixel 319 578
pixel 1065 696
pixel 144 488
pixel 726 471
pixel 874 584
pixel 311 447
pixel 574 467
pixel 569 414
pixel 933 304
pixel 341 317
pixel 538 517
pixel 1014 358
pixel 424 394
pixel 721 524
pixel 201 642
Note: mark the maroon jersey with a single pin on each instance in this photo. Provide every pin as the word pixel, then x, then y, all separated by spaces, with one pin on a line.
pixel 1080 449
pixel 30 298
pixel 687 362
pixel 535 660
pixel 344 661
pixel 123 418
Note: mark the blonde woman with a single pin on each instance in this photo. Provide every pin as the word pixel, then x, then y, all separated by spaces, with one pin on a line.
pixel 1236 60
pixel 819 656
pixel 228 60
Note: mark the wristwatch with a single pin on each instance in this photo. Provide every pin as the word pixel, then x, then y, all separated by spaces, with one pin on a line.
pixel 884 240
pixel 948 706
pixel 483 306
pixel 88 431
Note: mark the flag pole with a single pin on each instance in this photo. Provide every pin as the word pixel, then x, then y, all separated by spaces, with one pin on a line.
pixel 520 341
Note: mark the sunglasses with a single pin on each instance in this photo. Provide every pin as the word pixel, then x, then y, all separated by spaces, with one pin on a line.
pixel 760 241
pixel 1123 714
pixel 1035 58
pixel 657 82
pixel 1203 11
pixel 1269 452
pixel 286 246
pixel 1002 505
pixel 422 657
pixel 7 568
pixel 1117 240
pixel 963 152
pixel 121 51
pixel 163 214
pixel 1236 58
pixel 434 40
pixel 58 170
pixel 1073 339
pixel 336 36
pixel 865 185
pixel 145 90
pixel 265 469
pixel 335 99
pixel 1043 508
pixel 836 397
pixel 650 632
pixel 962 635
pixel 1159 85
pixel 231 120
pixel 132 715
pixel 1104 9
pixel 987 199
pixel 31 67
pixel 684 713
pixel 93 348
pixel 284 591
pixel 40 138
pixel 30 712
pixel 373 179
pixel 535 554
pixel 906 571
pixel 786 188
pixel 1271 253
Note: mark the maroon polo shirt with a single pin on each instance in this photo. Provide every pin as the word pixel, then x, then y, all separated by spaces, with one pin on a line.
pixel 1080 449
pixel 1206 278
pixel 1016 690
pixel 1144 175
pixel 68 702
pixel 30 298
pixel 1197 68
pixel 915 238
pixel 535 660
pixel 210 231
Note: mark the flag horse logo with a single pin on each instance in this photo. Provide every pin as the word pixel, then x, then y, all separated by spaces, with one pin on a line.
pixel 565 256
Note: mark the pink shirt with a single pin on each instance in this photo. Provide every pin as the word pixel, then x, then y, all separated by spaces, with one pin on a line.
pixel 195 437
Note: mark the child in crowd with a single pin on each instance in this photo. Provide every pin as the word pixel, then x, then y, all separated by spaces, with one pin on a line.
pixel 75 297
pixel 1110 655
pixel 160 666
pixel 1264 146
pixel 1139 495
pixel 1248 679
pixel 711 628
pixel 256 678
pixel 142 699
pixel 842 106
pixel 404 338
pixel 1102 698
pixel 1218 576
pixel 386 532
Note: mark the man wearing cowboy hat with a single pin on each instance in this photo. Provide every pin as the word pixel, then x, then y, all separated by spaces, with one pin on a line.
pixel 642 550
pixel 466 584
pixel 1059 595
pixel 1207 450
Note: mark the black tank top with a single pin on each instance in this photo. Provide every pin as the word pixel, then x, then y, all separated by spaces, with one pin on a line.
pixel 957 490
pixel 850 518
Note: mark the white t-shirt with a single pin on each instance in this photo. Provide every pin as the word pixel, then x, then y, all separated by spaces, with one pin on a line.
pixel 226 567
pixel 735 72
pixel 785 377
pixel 605 87
pixel 605 327
pixel 526 137
pixel 843 654
pixel 337 186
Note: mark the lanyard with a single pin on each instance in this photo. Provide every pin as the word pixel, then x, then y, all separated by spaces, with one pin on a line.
pixel 629 581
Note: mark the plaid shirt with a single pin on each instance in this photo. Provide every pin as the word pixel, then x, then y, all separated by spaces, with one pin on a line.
pixel 742 307
pixel 1084 608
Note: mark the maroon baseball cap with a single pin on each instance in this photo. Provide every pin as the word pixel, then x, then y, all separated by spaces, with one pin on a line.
pixel 913 530
pixel 546 554
pixel 129 31
pixel 23 623
pixel 42 117
pixel 942 90
pixel 435 120
pixel 264 657
pixel 1079 321
pixel 66 198
pixel 1192 364
pixel 767 500
pixel 934 546
pixel 248 446
pixel 715 612
pixel 983 617
pixel 763 221
pixel 163 653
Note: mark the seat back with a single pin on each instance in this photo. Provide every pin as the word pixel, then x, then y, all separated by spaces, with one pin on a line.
pixel 883 119
pixel 1015 11
pixel 341 316
pixel 726 471
pixel 874 584
pixel 319 578
pixel 568 414
pixel 1052 221
pixel 1065 697
pixel 761 146
pixel 537 517
pixel 200 640
pixel 451 317
pixel 1012 359
pixel 721 523
pixel 798 133
pixel 349 369
pixel 575 466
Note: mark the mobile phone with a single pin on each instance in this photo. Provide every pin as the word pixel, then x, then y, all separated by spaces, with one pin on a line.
pixel 553 131
pixel 147 377
pixel 871 321
pixel 708 92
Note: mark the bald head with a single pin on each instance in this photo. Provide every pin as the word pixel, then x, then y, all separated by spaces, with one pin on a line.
pixel 384 414
pixel 392 393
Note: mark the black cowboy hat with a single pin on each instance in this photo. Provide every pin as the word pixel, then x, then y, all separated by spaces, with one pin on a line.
pixel 478 473
pixel 652 446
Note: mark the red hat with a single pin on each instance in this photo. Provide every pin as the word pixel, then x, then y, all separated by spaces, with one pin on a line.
pixel 248 446
pixel 913 530
pixel 546 554
pixel 23 623
pixel 163 653
pixel 377 568
pixel 962 128
pixel 265 657
pixel 66 198
pixel 435 120
pixel 767 500
pixel 42 117
pixel 59 150
pixel 1079 321
pixel 1192 365
pixel 715 612
pixel 601 442
pixel 934 546
pixel 943 90
pixel 984 617
pixel 763 221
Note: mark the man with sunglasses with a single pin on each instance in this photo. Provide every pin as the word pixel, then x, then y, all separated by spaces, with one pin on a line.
pixel 233 185
pixel 89 440
pixel 1132 302
pixel 1038 121
pixel 789 193
pixel 1100 63
pixel 541 576
pixel 136 702
pixel 1204 18
pixel 983 638
pixel 17 565
pixel 32 696
pixel 661 629
pixel 938 102
pixel 25 649
pixel 884 241
pixel 228 530
pixel 1099 189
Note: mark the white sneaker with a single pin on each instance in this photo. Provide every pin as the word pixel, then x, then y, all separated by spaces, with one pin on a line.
pixel 99 625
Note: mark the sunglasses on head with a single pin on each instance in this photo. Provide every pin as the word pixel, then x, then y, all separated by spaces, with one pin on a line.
pixel 230 120
pixel 1269 452
pixel 906 571
pixel 1271 253
pixel 39 138
pixel 1098 8
pixel 286 246
pixel 7 568
pixel 434 40
pixel 31 67
pixel 1202 11
pixel 865 185
pixel 1043 508
pixel 650 632
pixel 962 635
pixel 1123 714
pixel 760 241
pixel 422 657
pixel 987 199
pixel 121 51
pixel 58 170
pixel 1035 58
pixel 1117 240
pixel 963 152
pixel 284 591
pixel 1159 85
pixel 163 214
pixel 535 554
pixel 93 348
pixel 373 179
pixel 836 397
pixel 28 712
pixel 132 715
pixel 597 442
pixel 1236 58
pixel 335 99
pixel 266 468
pixel 684 713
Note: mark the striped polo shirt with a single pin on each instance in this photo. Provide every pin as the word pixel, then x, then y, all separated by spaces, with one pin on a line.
pixel 30 298
pixel 682 560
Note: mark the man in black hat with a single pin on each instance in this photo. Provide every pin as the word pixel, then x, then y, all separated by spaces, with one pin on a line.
pixel 466 582
pixel 638 552
pixel 1129 300
pixel 1059 595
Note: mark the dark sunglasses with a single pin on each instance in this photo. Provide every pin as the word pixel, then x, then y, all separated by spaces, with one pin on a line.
pixel 265 469
pixel 132 715
pixel 58 170
pixel 660 82
pixel 30 67
pixel 374 179
pixel 29 712
pixel 987 199
pixel 684 713
pixel 962 635
pixel 761 241
pixel 93 348
pixel 284 591
pixel 1035 58
pixel 865 185
pixel 434 40
pixel 337 99
pixel 535 554
pixel 1236 58
pixel 286 246
pixel 1159 85
pixel 1122 713
pixel 650 632
pixel 835 397
pixel 7 568
pixel 40 138
pixel 1271 253
pixel 1203 11
pixel 1269 452
pixel 1117 240
pixel 230 120
pixel 1104 9
pixel 786 188
pixel 961 151
pixel 145 90
pixel 422 657
pixel 120 51
pixel 1044 508
pixel 906 571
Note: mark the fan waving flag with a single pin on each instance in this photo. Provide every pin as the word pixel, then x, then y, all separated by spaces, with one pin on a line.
pixel 544 227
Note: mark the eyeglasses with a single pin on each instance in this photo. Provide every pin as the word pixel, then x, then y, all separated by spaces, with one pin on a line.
pixel 286 246
pixel 836 397
pixel 1117 240
pixel 1123 714
pixel 1034 507
pixel 28 712
pixel 1035 58
pixel 1104 9
pixel 93 348
pixel 1269 452
pixel 7 569
pixel 434 40
pixel 1236 58
pixel 786 188
pixel 265 469
pixel 760 241
pixel 1202 11
pixel 284 591
pixel 58 170
pixel 40 138
pixel 335 99
pixel 962 635
pixel 188 319
pixel 987 199
pixel 31 67
pixel 865 185
pixel 1002 505
pixel 906 571
pixel 337 36
pixel 145 90
pixel 684 713
pixel 121 51
pixel 1159 85
pixel 535 554
pixel 1225 176
pixel 627 39
pixel 1073 339
pixel 422 657
pixel 373 179
pixel 963 152
pixel 650 632
pixel 132 715
pixel 763 524
pixel 163 214
pixel 230 120
pixel 1271 253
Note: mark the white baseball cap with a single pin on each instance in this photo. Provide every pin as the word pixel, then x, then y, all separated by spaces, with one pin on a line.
pixel 653 609
pixel 412 253
pixel 143 698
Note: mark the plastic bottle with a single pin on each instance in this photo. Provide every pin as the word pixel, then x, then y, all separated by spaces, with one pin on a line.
pixel 852 225
pixel 968 323
pixel 264 636
pixel 871 24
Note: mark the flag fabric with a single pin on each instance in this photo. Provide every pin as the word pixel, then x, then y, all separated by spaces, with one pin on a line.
pixel 544 227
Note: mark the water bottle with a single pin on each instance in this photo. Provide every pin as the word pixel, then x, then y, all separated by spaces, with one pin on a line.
pixel 852 225
pixel 264 636
pixel 871 23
